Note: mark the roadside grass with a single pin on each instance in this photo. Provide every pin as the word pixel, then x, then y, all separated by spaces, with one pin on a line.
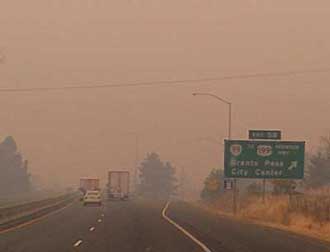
pixel 307 214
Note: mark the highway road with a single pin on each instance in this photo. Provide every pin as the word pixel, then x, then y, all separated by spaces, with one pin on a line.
pixel 135 226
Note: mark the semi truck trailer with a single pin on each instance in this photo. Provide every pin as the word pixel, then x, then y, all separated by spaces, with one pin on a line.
pixel 118 185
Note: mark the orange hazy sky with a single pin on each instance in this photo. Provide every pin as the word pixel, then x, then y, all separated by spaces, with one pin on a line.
pixel 73 133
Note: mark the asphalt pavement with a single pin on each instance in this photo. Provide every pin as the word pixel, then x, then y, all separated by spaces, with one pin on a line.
pixel 116 226
pixel 135 226
pixel 225 234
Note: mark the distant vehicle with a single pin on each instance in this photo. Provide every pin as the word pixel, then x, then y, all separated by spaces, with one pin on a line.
pixel 89 184
pixel 118 185
pixel 93 197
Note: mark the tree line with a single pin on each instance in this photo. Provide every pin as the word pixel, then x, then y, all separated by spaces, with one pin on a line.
pixel 156 178
pixel 14 175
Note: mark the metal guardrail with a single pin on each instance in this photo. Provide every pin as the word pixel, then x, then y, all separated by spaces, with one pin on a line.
pixel 17 214
pixel 27 197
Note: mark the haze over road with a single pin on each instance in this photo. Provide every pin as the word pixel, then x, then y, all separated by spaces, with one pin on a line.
pixel 58 43
pixel 135 226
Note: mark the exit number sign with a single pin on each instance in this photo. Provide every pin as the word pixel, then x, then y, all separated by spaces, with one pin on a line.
pixel 265 134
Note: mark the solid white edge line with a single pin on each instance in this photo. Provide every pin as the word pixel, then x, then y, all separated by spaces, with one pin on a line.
pixel 77 243
pixel 199 243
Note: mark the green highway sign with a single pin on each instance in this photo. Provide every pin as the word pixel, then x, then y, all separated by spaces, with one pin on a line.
pixel 264 159
pixel 265 134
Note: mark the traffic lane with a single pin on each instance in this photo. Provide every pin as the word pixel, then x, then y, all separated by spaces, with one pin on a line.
pixel 54 232
pixel 136 226
pixel 226 234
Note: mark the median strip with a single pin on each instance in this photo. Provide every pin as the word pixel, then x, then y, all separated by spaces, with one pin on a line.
pixel 20 217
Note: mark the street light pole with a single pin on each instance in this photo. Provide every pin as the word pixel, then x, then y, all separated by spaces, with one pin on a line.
pixel 235 192
pixel 229 122
pixel 235 182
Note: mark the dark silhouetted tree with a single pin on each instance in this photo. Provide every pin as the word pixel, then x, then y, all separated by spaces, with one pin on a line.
pixel 318 165
pixel 14 176
pixel 157 179
pixel 213 185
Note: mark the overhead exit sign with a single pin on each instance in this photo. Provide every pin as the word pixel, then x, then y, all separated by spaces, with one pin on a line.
pixel 264 159
pixel 265 134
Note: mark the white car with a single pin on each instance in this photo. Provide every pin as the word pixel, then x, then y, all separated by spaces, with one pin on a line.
pixel 92 197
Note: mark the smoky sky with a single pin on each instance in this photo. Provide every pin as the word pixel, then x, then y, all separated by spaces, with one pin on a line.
pixel 73 133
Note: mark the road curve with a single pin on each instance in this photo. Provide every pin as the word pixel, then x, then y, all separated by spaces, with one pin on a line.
pixel 228 235
pixel 139 226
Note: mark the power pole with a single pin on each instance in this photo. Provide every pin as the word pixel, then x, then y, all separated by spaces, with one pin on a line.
pixel 182 183
pixel 135 179
pixel 2 57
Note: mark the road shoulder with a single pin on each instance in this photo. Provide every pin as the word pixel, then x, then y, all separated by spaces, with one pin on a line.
pixel 223 232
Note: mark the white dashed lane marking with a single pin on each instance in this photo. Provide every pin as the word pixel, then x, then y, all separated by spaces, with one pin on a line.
pixel 92 229
pixel 77 244
pixel 99 220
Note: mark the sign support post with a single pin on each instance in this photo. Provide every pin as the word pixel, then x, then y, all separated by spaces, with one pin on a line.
pixel 263 191
pixel 235 182
pixel 265 135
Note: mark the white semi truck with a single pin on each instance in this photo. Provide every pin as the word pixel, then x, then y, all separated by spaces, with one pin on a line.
pixel 118 185
pixel 89 184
